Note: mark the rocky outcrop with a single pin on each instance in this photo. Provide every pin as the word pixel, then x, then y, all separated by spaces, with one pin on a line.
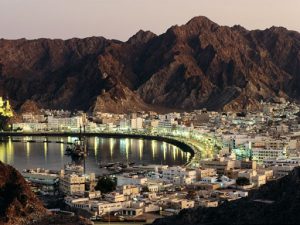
pixel 199 64
pixel 29 106
pixel 277 202
pixel 62 220
pixel 18 204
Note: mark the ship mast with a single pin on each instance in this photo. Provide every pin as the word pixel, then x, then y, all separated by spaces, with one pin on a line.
pixel 83 144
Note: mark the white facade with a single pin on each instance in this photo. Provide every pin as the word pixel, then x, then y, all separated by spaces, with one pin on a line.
pixel 78 203
pixel 104 207
pixel 260 154
pixel 136 123
pixel 29 127
pixel 282 161
pixel 280 171
pixel 179 175
pixel 153 188
pixel 124 124
pixel 65 123
pixel 72 184
pixel 133 180
pixel 114 197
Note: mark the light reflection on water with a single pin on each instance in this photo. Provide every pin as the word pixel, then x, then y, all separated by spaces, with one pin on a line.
pixel 22 154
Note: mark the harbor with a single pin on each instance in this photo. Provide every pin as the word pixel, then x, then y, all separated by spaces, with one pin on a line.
pixel 25 152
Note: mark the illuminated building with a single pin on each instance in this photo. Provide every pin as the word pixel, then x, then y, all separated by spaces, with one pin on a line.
pixel 72 183
pixel 136 123
pixel 61 123
pixel 5 108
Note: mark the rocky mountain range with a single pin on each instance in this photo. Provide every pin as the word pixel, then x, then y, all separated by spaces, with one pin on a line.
pixel 199 64
pixel 277 202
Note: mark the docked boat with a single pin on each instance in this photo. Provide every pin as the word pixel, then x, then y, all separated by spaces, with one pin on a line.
pixel 77 150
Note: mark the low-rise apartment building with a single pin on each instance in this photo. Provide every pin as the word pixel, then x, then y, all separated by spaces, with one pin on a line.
pixel 71 184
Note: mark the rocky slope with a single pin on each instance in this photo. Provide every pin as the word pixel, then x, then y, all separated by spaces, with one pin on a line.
pixel 17 203
pixel 283 207
pixel 199 64
pixel 19 206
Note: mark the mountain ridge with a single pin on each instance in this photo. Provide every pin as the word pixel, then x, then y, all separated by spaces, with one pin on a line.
pixel 213 66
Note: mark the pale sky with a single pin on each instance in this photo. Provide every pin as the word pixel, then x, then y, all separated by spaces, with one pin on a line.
pixel 120 19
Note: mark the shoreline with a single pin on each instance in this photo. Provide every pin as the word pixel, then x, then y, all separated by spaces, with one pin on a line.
pixel 170 140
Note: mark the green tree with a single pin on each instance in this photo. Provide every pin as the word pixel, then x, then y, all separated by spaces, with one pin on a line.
pixel 106 184
pixel 242 181
pixel 145 189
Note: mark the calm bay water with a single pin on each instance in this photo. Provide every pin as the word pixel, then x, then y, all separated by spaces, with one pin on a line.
pixel 20 153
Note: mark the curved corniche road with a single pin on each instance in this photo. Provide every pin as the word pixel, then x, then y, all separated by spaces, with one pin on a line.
pixel 181 144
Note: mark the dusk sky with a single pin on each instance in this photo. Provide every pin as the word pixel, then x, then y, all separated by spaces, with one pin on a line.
pixel 120 19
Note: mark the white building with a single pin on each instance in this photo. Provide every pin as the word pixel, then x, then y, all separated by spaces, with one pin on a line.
pixel 253 177
pixel 179 175
pixel 282 161
pixel 72 184
pixel 126 179
pixel 260 154
pixel 209 180
pixel 136 123
pixel 103 207
pixel 166 125
pixel 205 172
pixel 224 181
pixel 65 123
pixel 30 127
pixel 124 124
pixel 114 197
pixel 281 170
pixel 78 203
pixel 181 203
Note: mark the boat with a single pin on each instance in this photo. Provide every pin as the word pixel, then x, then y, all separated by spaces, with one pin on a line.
pixel 77 150
pixel 108 165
